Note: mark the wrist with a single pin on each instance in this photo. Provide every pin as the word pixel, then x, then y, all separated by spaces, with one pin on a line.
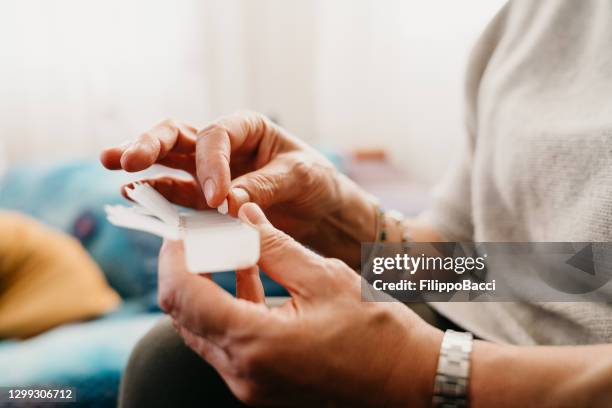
pixel 452 380
pixel 351 222
pixel 357 214
pixel 412 379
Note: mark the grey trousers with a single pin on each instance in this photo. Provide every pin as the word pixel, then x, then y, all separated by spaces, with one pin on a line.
pixel 163 372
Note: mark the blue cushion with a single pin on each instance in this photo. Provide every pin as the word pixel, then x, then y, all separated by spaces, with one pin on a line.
pixel 89 356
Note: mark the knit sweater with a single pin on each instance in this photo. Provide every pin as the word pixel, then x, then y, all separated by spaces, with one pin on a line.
pixel 536 164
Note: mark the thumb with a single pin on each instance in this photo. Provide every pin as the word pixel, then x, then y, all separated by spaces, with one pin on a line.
pixel 282 258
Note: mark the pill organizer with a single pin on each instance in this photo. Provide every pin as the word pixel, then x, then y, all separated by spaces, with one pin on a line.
pixel 213 242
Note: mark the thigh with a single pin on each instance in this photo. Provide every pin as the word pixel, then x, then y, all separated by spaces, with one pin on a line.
pixel 432 317
pixel 163 372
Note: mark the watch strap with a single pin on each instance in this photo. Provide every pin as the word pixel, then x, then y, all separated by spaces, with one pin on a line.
pixel 452 376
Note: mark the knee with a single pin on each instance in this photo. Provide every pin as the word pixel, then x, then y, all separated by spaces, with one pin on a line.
pixel 162 371
pixel 151 366
pixel 147 357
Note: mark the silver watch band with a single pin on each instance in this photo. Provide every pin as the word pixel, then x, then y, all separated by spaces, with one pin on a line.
pixel 452 376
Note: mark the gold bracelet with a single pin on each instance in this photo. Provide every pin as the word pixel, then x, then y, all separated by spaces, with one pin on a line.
pixel 402 225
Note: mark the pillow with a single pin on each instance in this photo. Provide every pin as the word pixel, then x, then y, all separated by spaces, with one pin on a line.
pixel 46 279
pixel 70 197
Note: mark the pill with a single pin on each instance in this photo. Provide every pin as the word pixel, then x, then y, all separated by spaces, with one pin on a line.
pixel 223 208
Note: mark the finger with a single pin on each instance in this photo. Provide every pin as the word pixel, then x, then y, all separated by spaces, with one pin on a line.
pixel 217 142
pixel 155 144
pixel 269 185
pixel 295 267
pixel 249 286
pixel 208 350
pixel 180 161
pixel 111 156
pixel 183 192
pixel 197 303
pixel 235 199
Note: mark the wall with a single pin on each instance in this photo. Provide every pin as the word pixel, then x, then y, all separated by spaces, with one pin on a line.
pixel 391 73
pixel 76 76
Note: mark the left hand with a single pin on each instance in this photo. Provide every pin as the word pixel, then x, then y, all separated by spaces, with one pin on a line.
pixel 323 345
pixel 245 157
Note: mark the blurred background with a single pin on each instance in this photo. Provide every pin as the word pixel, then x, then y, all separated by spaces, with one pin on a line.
pixel 375 85
pixel 80 75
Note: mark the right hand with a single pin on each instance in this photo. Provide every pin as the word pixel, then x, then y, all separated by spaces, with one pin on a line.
pixel 310 351
pixel 246 158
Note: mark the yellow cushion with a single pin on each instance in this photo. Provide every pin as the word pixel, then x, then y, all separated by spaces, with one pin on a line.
pixel 46 279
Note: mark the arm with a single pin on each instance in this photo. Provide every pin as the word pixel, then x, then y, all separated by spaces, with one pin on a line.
pixel 341 233
pixel 314 335
pixel 510 376
pixel 246 158
pixel 513 376
pixel 541 376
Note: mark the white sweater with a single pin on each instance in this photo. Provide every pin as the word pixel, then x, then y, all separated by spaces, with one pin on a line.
pixel 537 163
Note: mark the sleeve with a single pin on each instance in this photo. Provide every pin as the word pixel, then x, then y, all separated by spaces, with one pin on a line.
pixel 450 212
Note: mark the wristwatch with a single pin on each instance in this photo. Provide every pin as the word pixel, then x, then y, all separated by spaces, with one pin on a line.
pixel 452 376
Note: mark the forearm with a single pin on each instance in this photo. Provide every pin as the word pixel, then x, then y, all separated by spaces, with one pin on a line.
pixel 539 376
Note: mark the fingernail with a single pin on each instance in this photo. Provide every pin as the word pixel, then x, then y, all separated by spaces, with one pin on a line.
pixel 252 214
pixel 240 196
pixel 124 159
pixel 209 190
pixel 126 144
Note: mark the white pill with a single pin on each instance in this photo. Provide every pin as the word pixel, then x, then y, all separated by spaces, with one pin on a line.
pixel 223 208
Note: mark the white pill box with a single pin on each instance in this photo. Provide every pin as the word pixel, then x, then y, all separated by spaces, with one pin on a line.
pixel 213 242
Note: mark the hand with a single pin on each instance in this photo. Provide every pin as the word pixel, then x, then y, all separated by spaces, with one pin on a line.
pixel 323 345
pixel 247 158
